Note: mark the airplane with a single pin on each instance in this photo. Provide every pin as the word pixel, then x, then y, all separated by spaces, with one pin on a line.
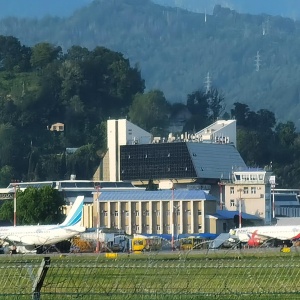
pixel 255 236
pixel 31 238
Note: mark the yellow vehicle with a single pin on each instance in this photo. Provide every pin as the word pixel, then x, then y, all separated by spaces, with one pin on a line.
pixel 140 244
pixel 191 243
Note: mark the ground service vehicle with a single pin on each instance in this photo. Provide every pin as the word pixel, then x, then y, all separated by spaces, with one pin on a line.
pixel 191 243
pixel 140 244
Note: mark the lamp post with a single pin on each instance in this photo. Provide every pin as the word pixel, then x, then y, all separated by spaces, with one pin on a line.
pixel 221 195
pixel 98 220
pixel 273 185
pixel 272 181
pixel 15 185
pixel 240 208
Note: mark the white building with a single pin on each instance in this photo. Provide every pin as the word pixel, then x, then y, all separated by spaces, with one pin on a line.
pixel 120 132
pixel 222 131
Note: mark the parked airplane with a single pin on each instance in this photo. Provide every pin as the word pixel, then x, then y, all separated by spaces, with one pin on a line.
pixel 255 236
pixel 31 237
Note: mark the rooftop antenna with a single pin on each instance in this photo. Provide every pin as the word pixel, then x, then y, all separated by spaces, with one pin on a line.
pixel 257 61
pixel 207 83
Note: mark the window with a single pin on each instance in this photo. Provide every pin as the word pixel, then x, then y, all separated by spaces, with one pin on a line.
pixel 199 212
pixel 178 212
pixel 137 228
pixel 158 227
pixel 116 213
pixel 199 227
pixel 127 213
pixel 147 213
pixel 105 213
pixel 232 203
pixel 253 190
pixel 137 213
pixel 246 190
pixel 158 212
pixel 231 190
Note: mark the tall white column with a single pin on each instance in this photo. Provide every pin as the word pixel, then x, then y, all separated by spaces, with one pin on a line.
pixel 119 215
pixel 192 217
pixel 108 214
pixel 150 216
pixel 140 217
pixel 181 217
pixel 161 217
pixel 129 218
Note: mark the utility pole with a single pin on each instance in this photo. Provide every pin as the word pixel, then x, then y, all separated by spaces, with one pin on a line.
pixel 15 185
pixel 98 219
pixel 221 195
pixel 240 208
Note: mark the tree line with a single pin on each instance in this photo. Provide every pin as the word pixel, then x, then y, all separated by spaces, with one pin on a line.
pixel 81 88
pixel 253 58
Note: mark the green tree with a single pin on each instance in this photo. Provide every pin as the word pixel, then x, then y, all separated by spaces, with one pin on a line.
pixel 35 206
pixel 83 162
pixel 6 175
pixel 43 54
pixel 197 104
pixel 13 56
pixel 150 111
pixel 240 112
pixel 8 144
pixel 216 104
pixel 286 133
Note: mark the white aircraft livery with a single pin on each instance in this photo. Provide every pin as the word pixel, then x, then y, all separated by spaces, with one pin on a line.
pixel 255 236
pixel 33 236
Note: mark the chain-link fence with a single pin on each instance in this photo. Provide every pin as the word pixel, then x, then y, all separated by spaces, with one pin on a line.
pixel 233 274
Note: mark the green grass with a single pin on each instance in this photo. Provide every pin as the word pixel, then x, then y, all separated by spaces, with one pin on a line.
pixel 219 275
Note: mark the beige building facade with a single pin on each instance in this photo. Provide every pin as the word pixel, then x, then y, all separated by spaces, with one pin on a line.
pixel 155 212
pixel 249 191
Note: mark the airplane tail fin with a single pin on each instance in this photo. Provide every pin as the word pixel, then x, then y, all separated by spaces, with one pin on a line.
pixel 75 215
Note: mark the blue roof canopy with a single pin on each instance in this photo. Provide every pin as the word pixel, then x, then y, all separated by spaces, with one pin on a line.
pixel 229 214
pixel 155 195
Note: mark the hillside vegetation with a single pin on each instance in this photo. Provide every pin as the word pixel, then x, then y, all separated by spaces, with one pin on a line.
pixel 40 86
pixel 176 49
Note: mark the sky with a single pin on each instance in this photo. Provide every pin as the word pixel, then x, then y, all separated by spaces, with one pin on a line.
pixel 40 8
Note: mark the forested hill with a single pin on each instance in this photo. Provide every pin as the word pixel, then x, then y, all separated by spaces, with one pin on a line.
pixel 285 8
pixel 252 59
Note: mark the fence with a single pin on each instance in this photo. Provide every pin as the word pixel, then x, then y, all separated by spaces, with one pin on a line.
pixel 234 274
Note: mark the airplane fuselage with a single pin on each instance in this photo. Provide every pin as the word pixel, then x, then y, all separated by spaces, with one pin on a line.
pixel 262 233
pixel 38 235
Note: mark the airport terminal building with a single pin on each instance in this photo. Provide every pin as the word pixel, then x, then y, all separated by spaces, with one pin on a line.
pixel 196 175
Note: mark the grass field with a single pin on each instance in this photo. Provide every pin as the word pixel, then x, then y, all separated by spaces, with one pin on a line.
pixel 178 275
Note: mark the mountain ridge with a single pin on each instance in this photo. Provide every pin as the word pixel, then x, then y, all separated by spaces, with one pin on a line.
pixel 176 49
